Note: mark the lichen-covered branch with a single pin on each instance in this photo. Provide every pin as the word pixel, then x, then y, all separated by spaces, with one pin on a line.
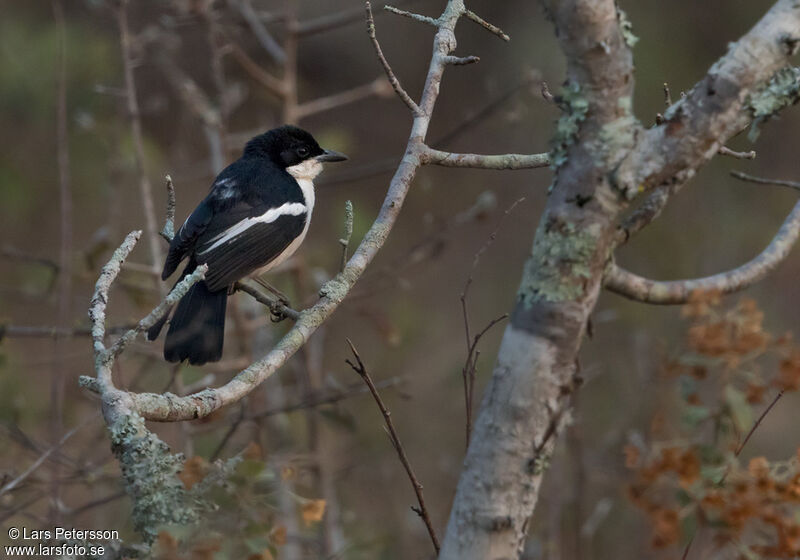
pixel 480 161
pixel 148 468
pixel 751 82
pixel 180 290
pixel 632 286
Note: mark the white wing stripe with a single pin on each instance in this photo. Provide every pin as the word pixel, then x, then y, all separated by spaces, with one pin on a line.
pixel 288 209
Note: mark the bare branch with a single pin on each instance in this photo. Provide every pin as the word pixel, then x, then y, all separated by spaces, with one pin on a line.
pixel 461 60
pixel 757 423
pixel 377 87
pixel 422 511
pixel 35 331
pixel 470 365
pixel 480 161
pixel 348 232
pixel 180 290
pixel 333 20
pixel 43 457
pixel 168 231
pixel 270 45
pixel 725 151
pixel 315 400
pixel 546 95
pixel 762 181
pixel 145 189
pixel 488 26
pixel 270 82
pixel 65 250
pixel 415 17
pixel 97 307
pixel 401 93
pixel 648 211
pixel 275 306
pixel 635 287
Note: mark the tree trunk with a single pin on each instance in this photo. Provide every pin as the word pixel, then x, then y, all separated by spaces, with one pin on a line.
pixel 528 398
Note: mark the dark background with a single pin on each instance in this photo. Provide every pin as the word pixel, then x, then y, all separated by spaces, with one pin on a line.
pixel 405 315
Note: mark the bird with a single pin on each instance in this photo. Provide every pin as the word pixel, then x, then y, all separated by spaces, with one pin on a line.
pixel 255 216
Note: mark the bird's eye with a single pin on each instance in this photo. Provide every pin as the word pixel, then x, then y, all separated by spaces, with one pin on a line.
pixel 302 151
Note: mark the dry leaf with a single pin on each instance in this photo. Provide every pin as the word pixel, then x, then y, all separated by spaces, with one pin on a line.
pixel 313 510
pixel 253 452
pixel 278 535
pixel 263 555
pixel 194 470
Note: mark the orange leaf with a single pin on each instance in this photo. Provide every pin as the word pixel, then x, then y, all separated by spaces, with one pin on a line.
pixel 194 470
pixel 313 510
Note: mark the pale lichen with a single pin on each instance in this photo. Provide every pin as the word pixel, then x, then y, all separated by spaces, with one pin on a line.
pixel 782 90
pixel 559 266
pixel 574 107
pixel 151 478
pixel 626 28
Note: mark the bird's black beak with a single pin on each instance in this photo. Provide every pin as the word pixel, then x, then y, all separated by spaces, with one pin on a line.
pixel 330 155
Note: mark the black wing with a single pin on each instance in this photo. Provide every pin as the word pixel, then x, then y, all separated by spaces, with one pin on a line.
pixel 252 248
pixel 246 188
pixel 186 237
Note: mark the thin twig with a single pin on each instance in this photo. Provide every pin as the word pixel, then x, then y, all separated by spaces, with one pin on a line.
pixel 270 82
pixel 401 93
pixel 145 189
pixel 348 232
pixel 229 433
pixel 763 181
pixel 546 95
pixel 488 26
pixel 667 95
pixel 65 250
pixel 422 511
pixel 377 87
pixel 180 290
pixel 37 331
pixel 275 306
pixel 168 231
pixel 469 369
pixel 316 400
pixel 43 457
pixel 758 422
pixel 460 60
pixel 333 20
pixel 270 45
pixel 736 453
pixel 415 17
pixel 725 151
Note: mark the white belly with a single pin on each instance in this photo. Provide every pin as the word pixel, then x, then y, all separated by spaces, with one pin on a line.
pixel 305 178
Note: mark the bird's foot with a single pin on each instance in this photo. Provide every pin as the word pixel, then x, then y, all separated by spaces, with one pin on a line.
pixel 277 310
pixel 282 298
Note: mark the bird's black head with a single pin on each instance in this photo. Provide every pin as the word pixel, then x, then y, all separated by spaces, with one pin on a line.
pixel 288 146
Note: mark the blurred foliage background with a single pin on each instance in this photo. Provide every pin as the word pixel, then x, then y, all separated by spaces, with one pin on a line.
pixel 404 316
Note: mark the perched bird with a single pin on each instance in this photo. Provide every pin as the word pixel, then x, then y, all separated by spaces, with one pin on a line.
pixel 254 218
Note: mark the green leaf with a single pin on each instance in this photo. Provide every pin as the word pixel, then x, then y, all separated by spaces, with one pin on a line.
pixel 693 415
pixel 741 411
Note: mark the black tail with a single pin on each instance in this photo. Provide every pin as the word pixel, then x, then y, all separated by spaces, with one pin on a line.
pixel 197 329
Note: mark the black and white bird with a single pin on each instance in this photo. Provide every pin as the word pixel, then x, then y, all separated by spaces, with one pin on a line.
pixel 254 218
